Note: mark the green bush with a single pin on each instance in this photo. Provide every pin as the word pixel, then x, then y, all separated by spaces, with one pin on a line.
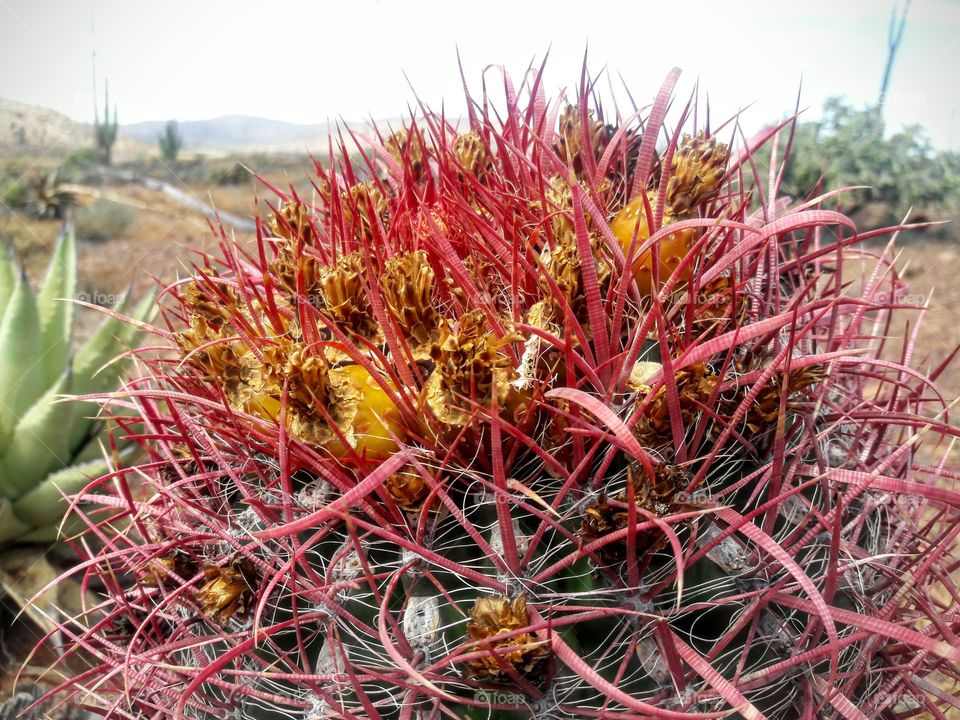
pixel 848 146
pixel 80 158
pixel 103 220
pixel 236 174
pixel 13 194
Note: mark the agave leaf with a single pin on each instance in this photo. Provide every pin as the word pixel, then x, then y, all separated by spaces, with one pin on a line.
pixel 8 277
pixel 93 370
pixel 44 504
pixel 96 351
pixel 11 528
pixel 21 371
pixel 23 575
pixel 41 441
pixel 93 448
pixel 48 534
pixel 54 305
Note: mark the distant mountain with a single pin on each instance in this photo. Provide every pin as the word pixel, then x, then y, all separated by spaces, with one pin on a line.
pixel 237 132
pixel 28 128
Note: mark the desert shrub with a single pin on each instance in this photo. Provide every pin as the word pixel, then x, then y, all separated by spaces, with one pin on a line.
pixel 13 193
pixel 849 146
pixel 80 158
pixel 236 174
pixel 103 220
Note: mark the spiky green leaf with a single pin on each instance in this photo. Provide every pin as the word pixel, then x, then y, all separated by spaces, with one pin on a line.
pixel 94 368
pixel 11 527
pixel 44 504
pixel 54 305
pixel 8 277
pixel 41 440
pixel 21 368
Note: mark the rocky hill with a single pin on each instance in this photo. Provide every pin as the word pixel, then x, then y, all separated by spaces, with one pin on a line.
pixel 29 128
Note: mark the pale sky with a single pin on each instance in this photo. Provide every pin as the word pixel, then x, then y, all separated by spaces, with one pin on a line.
pixel 310 61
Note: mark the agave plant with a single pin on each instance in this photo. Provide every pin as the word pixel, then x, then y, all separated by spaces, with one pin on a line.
pixel 49 449
pixel 526 419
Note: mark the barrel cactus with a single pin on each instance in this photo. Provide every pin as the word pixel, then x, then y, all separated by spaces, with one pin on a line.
pixel 551 415
pixel 49 449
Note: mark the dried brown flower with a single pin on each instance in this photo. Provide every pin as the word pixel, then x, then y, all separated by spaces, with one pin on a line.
pixel 715 308
pixel 525 652
pixel 289 263
pixel 213 306
pixel 292 222
pixel 563 263
pixel 407 149
pixel 569 145
pixel 407 489
pixel 343 295
pixel 472 155
pixel 695 383
pixel 362 203
pixel 228 362
pixel 699 165
pixel 469 367
pixel 175 562
pixel 229 591
pixel 765 409
pixel 656 496
pixel 407 284
pixel 316 392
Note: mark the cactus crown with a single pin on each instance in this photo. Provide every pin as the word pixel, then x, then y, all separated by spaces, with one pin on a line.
pixel 528 419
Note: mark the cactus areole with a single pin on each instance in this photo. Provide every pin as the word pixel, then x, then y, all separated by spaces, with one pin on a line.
pixel 544 413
